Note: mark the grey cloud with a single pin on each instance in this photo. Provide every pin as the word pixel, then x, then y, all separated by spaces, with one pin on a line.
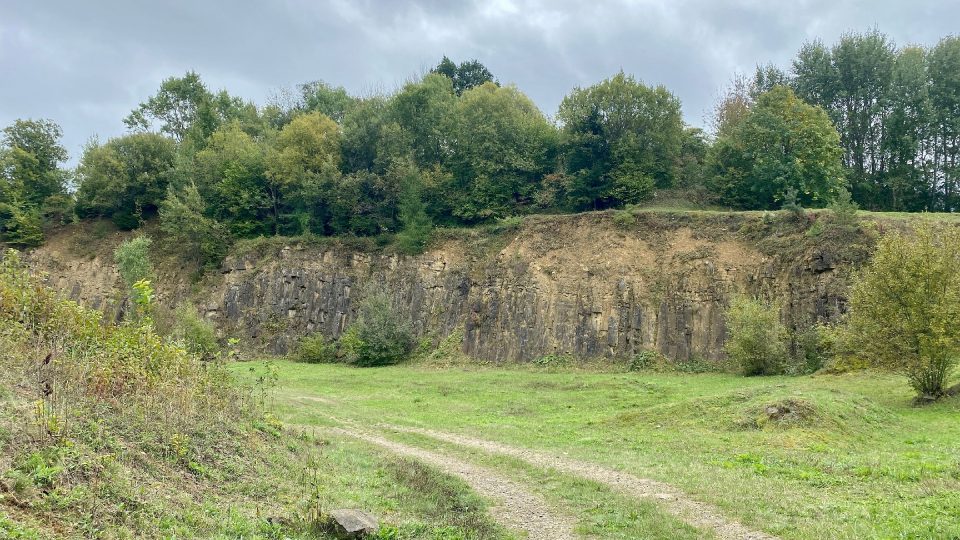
pixel 86 64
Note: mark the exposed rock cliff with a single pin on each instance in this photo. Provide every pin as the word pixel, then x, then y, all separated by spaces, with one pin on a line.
pixel 578 285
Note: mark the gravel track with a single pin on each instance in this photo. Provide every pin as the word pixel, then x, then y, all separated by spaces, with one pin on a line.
pixel 695 513
pixel 516 508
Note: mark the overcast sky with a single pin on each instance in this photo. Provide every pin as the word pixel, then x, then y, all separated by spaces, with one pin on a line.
pixel 85 65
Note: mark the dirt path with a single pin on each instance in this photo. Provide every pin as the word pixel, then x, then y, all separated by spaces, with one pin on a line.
pixel 517 508
pixel 676 502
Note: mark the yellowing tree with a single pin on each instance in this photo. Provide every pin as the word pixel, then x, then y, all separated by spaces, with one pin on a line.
pixel 309 142
pixel 905 307
pixel 305 156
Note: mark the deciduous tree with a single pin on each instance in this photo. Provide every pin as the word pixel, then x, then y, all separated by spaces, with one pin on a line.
pixel 905 306
pixel 621 139
pixel 126 178
pixel 782 144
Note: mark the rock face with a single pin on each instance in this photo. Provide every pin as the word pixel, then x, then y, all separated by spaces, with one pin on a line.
pixel 575 285
pixel 564 285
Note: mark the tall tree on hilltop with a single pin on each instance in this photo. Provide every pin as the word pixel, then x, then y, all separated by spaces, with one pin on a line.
pixel 179 105
pixel 126 178
pixel 944 72
pixel 621 139
pixel 501 146
pixel 782 145
pixel 467 75
pixel 187 111
pixel 419 111
pixel 851 81
pixel 906 131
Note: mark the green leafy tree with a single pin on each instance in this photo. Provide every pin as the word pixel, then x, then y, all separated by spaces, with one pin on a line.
pixel 32 184
pixel 318 96
pixel 691 171
pixel 465 76
pixel 304 158
pixel 370 139
pixel 420 110
pixel 501 146
pixel 126 178
pixel 782 144
pixel 133 260
pixel 766 77
pixel 309 143
pixel 184 221
pixel 755 337
pixel 21 228
pixel 32 158
pixel 851 81
pixel 621 139
pixel 415 224
pixel 187 111
pixel 944 140
pixel 365 203
pixel 231 176
pixel 180 105
pixel 895 111
pixel 906 130
pixel 905 306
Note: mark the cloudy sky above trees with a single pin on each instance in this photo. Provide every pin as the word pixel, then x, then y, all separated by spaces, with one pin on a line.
pixel 85 65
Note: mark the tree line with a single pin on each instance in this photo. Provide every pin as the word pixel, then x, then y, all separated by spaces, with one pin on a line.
pixel 455 147
pixel 896 111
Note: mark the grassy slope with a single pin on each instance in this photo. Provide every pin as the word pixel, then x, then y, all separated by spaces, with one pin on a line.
pixel 261 483
pixel 116 432
pixel 861 463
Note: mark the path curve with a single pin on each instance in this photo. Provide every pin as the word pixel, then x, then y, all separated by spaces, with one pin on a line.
pixel 517 508
pixel 675 501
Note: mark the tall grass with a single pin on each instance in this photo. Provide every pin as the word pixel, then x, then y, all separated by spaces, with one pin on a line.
pixel 77 369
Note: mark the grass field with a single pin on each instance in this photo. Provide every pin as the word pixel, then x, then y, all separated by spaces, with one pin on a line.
pixel 828 456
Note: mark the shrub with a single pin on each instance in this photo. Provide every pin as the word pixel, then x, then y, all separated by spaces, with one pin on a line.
pixel 197 237
pixel 505 225
pixel 791 205
pixel 624 219
pixel 22 229
pixel 133 260
pixel 127 373
pixel 315 349
pixel 812 349
pixel 755 341
pixel 696 363
pixel 554 360
pixel 647 359
pixel 905 306
pixel 843 211
pixel 196 333
pixel 379 337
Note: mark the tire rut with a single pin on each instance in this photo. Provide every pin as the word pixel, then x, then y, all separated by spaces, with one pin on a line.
pixel 517 508
pixel 672 499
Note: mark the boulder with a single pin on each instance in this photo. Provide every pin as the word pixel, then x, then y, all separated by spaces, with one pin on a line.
pixel 352 523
